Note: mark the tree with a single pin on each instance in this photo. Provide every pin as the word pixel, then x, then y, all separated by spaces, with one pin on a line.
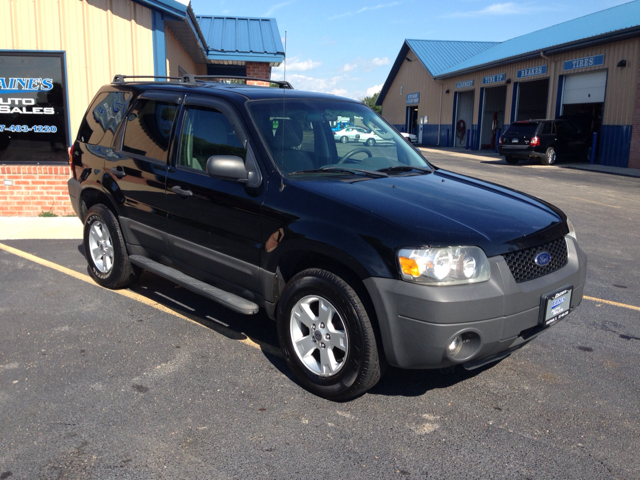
pixel 371 103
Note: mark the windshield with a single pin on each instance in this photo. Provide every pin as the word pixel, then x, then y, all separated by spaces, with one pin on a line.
pixel 325 137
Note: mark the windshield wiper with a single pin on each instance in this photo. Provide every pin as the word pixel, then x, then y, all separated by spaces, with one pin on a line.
pixel 370 173
pixel 404 168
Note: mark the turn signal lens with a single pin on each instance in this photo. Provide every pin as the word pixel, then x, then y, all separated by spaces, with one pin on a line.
pixel 535 142
pixel 409 266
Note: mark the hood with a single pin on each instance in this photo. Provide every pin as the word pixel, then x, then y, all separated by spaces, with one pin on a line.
pixel 446 209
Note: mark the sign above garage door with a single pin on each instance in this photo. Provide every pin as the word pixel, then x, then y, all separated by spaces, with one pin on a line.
pixel 585 88
pixel 585 62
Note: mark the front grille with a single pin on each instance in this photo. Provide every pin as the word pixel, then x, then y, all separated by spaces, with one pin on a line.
pixel 522 264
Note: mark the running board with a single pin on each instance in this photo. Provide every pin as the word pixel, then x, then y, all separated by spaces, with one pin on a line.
pixel 229 300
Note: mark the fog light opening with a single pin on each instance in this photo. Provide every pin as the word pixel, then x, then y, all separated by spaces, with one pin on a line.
pixel 455 346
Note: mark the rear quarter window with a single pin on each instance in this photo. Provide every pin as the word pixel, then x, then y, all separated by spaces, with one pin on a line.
pixel 103 117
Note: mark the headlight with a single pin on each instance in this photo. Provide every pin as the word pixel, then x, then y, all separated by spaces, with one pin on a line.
pixel 572 231
pixel 444 266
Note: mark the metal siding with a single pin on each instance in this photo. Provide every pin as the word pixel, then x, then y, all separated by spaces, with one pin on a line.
pixel 100 38
pixel 177 56
pixel 245 35
pixel 613 19
pixel 614 145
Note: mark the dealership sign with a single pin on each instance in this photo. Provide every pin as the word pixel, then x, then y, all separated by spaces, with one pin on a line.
pixel 413 98
pixel 532 72
pixel 493 78
pixel 585 62
pixel 465 84
pixel 33 107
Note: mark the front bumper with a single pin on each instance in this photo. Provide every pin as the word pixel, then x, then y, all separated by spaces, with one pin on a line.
pixel 417 322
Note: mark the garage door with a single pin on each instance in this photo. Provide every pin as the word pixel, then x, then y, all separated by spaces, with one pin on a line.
pixel 585 88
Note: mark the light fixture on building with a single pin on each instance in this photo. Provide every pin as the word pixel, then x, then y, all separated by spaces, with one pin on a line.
pixel 408 59
pixel 622 63
pixel 508 81
pixel 447 91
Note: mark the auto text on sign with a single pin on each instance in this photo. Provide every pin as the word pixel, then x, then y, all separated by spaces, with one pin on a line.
pixel 465 84
pixel 585 62
pixel 532 72
pixel 413 98
pixel 493 79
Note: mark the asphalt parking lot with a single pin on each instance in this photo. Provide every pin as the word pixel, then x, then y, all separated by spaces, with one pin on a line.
pixel 156 382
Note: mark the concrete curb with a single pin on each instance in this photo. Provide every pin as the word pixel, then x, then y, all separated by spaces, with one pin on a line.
pixel 36 228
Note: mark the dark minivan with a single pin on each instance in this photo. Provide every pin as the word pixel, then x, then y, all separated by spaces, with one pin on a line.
pixel 363 255
pixel 547 140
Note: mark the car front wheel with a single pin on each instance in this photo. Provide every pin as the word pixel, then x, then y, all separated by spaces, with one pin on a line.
pixel 370 142
pixel 344 139
pixel 326 336
pixel 550 156
pixel 106 251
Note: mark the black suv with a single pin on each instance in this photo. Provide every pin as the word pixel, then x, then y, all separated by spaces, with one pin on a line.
pixel 543 139
pixel 364 256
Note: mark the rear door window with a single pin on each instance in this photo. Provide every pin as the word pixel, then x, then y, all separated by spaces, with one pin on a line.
pixel 546 128
pixel 148 129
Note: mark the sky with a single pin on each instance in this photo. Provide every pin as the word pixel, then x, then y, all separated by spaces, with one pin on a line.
pixel 347 47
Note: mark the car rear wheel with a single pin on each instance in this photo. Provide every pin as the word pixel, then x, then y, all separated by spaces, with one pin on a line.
pixel 511 160
pixel 106 251
pixel 326 336
pixel 550 156
pixel 344 139
pixel 370 142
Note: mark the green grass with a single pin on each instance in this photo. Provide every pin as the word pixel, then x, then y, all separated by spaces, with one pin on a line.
pixel 47 214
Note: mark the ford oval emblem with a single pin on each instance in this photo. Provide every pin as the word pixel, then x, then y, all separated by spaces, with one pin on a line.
pixel 543 259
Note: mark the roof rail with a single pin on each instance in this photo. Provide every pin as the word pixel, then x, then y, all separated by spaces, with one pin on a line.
pixel 121 79
pixel 190 78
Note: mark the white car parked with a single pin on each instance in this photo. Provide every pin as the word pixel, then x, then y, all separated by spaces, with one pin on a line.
pixel 410 136
pixel 358 134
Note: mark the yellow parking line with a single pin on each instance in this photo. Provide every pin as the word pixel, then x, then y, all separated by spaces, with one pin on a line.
pixel 609 302
pixel 597 203
pixel 142 299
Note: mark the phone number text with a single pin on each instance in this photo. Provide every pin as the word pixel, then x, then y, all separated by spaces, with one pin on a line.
pixel 26 128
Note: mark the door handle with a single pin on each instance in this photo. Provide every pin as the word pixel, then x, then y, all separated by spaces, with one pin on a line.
pixel 118 172
pixel 183 193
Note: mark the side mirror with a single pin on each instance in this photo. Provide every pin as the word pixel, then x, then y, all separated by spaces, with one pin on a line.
pixel 232 168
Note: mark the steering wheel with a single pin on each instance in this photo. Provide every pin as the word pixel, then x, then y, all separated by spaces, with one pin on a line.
pixel 354 152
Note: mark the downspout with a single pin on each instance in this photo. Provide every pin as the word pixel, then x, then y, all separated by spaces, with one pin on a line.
pixel 439 115
pixel 552 71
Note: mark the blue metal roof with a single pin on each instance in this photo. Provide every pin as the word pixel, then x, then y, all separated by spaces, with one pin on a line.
pixel 242 39
pixel 435 55
pixel 610 21
pixel 439 55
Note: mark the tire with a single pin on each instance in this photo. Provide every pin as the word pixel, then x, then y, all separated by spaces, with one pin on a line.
pixel 370 142
pixel 511 160
pixel 105 250
pixel 326 336
pixel 549 157
pixel 344 139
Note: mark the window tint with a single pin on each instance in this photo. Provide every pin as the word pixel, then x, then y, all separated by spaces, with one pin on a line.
pixel 149 129
pixel 523 128
pixel 205 133
pixel 103 117
pixel 561 128
pixel 546 128
pixel 304 135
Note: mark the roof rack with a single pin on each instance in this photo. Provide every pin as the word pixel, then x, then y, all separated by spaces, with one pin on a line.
pixel 120 79
pixel 195 79
pixel 189 78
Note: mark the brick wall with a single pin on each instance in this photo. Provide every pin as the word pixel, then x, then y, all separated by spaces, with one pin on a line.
pixel 258 70
pixel 36 189
pixel 634 152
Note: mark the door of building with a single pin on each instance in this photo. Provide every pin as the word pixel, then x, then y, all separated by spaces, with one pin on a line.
pixel 464 118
